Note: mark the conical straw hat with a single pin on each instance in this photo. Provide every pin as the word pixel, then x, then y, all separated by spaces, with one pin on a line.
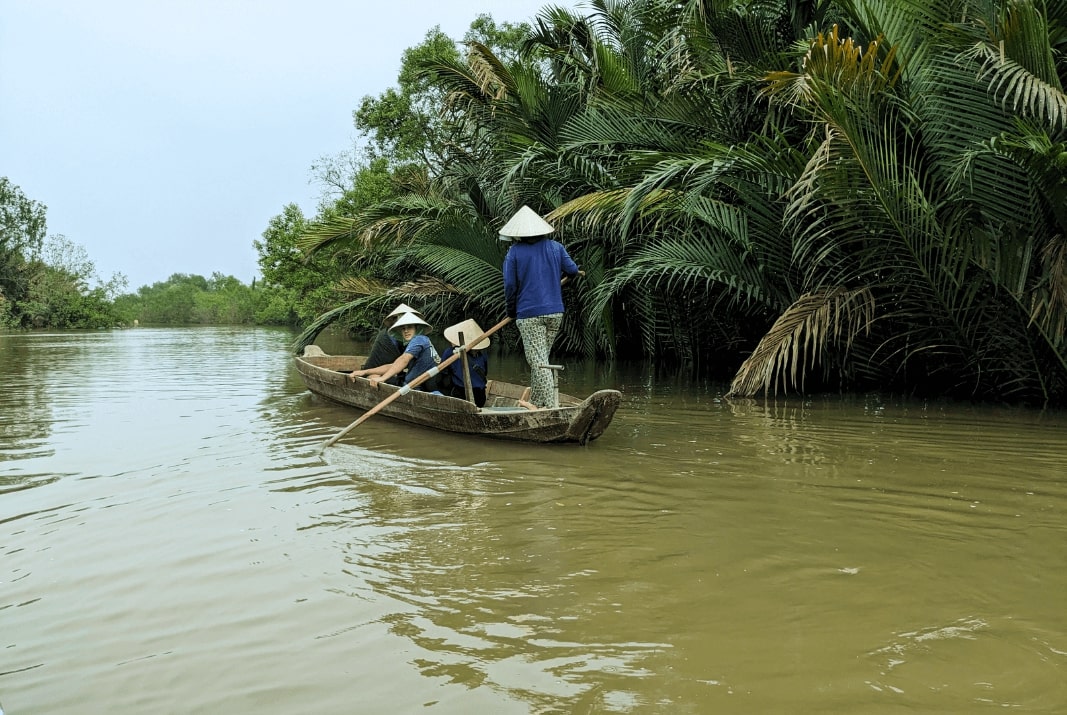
pixel 409 319
pixel 470 330
pixel 397 312
pixel 525 223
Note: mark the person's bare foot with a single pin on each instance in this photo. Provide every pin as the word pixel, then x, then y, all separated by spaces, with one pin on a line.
pixel 528 405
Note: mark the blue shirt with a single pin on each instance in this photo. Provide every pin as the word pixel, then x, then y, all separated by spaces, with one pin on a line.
pixel 479 364
pixel 532 272
pixel 424 356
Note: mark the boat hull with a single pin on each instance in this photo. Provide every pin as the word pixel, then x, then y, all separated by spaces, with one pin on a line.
pixel 576 420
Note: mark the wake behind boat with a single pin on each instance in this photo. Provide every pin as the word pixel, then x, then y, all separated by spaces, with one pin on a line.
pixel 575 420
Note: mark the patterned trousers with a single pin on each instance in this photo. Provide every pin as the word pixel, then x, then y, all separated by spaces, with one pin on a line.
pixel 538 334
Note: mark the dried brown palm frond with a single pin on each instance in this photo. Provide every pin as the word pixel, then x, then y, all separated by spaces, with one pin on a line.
pixel 800 335
pixel 488 72
pixel 424 287
pixel 362 285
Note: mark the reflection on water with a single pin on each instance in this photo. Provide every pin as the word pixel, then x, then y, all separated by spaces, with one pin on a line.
pixel 27 418
pixel 174 540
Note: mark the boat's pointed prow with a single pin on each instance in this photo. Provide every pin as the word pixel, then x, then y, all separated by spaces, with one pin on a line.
pixel 596 413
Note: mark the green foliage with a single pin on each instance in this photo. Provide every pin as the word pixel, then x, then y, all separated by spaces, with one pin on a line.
pixel 847 193
pixel 296 288
pixel 56 301
pixel 505 39
pixel 60 292
pixel 52 283
pixel 920 190
pixel 401 122
pixel 193 300
pixel 415 122
pixel 850 194
pixel 22 232
pixel 47 282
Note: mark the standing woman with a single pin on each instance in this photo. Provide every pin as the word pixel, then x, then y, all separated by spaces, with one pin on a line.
pixel 532 270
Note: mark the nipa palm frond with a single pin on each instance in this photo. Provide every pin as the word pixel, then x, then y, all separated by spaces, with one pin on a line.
pixel 1050 300
pixel 799 337
pixel 362 285
pixel 425 287
pixel 462 272
pixel 1021 91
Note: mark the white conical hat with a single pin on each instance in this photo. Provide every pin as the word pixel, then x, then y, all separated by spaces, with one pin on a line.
pixel 525 223
pixel 398 311
pixel 409 319
pixel 470 330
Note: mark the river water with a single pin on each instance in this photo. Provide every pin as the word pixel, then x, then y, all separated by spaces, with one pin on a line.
pixel 173 541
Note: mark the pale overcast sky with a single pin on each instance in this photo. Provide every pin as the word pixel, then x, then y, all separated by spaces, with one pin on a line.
pixel 163 135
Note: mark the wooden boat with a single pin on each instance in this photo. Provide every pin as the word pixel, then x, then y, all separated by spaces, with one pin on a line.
pixel 574 420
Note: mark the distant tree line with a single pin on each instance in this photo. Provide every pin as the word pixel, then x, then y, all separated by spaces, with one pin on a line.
pixel 50 282
pixel 194 300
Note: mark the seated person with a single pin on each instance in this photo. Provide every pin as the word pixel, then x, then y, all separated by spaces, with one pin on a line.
pixel 418 357
pixel 477 360
pixel 386 347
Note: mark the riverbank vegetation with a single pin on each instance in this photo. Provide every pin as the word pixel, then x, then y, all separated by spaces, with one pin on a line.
pixel 791 195
pixel 47 281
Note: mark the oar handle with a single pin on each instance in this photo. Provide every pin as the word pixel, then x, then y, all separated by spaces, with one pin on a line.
pixel 417 381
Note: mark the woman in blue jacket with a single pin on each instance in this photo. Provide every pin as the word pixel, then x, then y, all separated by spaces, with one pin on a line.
pixel 533 268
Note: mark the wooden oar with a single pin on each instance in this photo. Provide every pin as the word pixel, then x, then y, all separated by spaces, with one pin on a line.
pixel 417 381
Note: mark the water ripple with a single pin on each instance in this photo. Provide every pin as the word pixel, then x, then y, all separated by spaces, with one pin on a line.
pixel 170 519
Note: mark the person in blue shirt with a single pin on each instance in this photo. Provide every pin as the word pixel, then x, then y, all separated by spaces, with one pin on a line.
pixel 388 347
pixel 418 357
pixel 533 267
pixel 477 362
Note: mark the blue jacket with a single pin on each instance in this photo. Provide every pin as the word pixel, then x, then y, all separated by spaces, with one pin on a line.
pixel 532 272
pixel 479 364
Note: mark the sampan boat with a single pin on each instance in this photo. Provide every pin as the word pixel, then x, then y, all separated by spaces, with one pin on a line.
pixel 574 420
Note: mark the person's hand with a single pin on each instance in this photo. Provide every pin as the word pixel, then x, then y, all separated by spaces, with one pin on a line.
pixel 354 374
pixel 375 379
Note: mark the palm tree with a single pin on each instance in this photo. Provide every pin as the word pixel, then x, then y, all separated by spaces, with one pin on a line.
pixel 932 191
pixel 700 163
